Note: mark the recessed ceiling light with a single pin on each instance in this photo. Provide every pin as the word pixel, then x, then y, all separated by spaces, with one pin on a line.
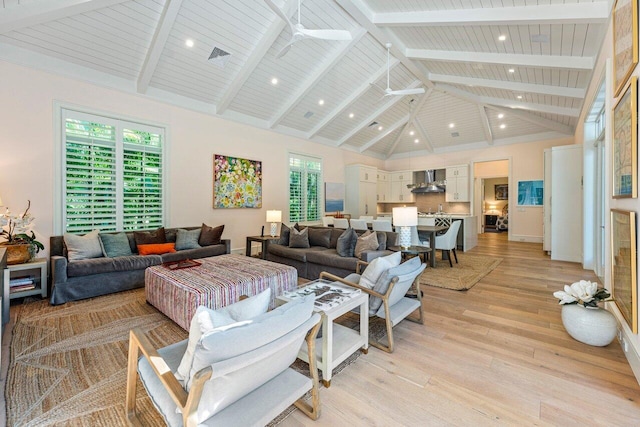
pixel 502 126
pixel 502 37
pixel 500 115
pixel 321 102
pixel 452 125
pixel 274 81
pixel 189 43
pixel 519 97
pixel 379 127
pixel 351 115
pixel 416 140
pixel 412 133
pixel 512 70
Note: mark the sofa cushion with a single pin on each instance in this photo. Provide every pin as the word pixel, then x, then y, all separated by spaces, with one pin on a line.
pixel 210 235
pixel 374 270
pixel 335 235
pixel 187 239
pixel 150 237
pixel 114 245
pixel 297 254
pixel 87 267
pixel 330 258
pixel 299 239
pixel 156 248
pixel 346 244
pixel 382 240
pixel 83 247
pixel 203 252
pixel 319 237
pixel 285 232
pixel 368 241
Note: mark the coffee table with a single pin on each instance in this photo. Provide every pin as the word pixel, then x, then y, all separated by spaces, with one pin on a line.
pixel 338 342
pixel 420 251
pixel 217 282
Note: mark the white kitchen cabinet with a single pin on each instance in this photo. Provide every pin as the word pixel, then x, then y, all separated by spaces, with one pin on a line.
pixel 457 184
pixel 360 190
pixel 400 193
pixel 384 187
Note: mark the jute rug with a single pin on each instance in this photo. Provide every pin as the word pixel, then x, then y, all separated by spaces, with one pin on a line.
pixel 68 363
pixel 469 270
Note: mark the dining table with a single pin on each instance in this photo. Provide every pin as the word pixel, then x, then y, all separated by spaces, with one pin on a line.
pixel 432 230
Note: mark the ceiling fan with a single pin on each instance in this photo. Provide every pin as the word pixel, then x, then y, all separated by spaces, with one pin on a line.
pixel 402 92
pixel 299 32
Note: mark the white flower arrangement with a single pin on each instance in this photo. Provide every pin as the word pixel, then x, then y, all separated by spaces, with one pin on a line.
pixel 14 228
pixel 584 292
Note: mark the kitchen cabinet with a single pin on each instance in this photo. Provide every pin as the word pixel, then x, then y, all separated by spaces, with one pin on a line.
pixel 383 187
pixel 400 193
pixel 457 184
pixel 360 190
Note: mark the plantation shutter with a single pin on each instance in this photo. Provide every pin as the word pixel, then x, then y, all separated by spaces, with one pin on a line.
pixel 305 180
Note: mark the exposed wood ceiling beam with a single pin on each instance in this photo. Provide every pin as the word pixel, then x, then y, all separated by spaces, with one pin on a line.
pixel 544 61
pixel 415 109
pixel 403 121
pixel 536 120
pixel 259 51
pixel 165 24
pixel 364 87
pixel 501 102
pixel 485 124
pixel 397 140
pixel 364 123
pixel 424 136
pixel 574 13
pixel 29 14
pixel 363 16
pixel 318 75
pixel 509 85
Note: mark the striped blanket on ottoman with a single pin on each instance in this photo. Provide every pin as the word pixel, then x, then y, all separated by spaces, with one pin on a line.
pixel 219 281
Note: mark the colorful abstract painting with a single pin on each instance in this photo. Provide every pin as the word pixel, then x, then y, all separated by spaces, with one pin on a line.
pixel 237 183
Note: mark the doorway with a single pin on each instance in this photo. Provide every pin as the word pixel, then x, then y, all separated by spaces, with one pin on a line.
pixel 491 196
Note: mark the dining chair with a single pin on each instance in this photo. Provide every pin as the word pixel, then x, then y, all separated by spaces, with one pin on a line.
pixel 448 241
pixel 381 225
pixel 359 224
pixel 367 217
pixel 341 223
pixel 327 221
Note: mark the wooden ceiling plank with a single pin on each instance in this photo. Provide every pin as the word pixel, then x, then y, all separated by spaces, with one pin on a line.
pixel 412 118
pixel 259 51
pixel 507 85
pixel 485 124
pixel 400 123
pixel 364 87
pixel 568 13
pixel 397 140
pixel 30 14
pixel 534 119
pixel 424 136
pixel 318 75
pixel 548 61
pixel 160 37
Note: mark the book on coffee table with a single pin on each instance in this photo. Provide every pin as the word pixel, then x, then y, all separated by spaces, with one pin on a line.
pixel 327 294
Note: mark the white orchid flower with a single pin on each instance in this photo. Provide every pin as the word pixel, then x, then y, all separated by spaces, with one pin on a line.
pixel 584 290
pixel 564 297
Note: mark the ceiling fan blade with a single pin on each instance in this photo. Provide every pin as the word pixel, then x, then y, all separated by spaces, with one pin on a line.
pixel 285 49
pixel 326 34
pixel 403 92
pixel 280 13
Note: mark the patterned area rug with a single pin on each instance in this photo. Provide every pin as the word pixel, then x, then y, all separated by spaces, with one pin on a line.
pixel 469 270
pixel 68 363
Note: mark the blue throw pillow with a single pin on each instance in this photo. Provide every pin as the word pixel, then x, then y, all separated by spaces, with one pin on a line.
pixel 114 245
pixel 187 239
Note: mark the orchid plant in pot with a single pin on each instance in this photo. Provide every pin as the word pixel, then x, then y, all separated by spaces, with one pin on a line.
pixel 583 319
pixel 21 246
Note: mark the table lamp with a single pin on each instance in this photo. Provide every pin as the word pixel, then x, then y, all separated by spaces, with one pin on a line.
pixel 405 218
pixel 274 217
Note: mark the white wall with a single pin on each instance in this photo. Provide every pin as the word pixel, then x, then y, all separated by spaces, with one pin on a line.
pixel 27 149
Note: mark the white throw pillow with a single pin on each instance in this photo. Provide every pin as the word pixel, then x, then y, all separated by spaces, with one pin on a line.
pixel 83 247
pixel 379 265
pixel 206 321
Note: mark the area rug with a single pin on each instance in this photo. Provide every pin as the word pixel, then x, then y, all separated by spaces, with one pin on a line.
pixel 469 270
pixel 68 363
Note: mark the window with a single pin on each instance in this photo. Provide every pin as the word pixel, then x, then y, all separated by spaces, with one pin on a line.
pixel 305 188
pixel 112 174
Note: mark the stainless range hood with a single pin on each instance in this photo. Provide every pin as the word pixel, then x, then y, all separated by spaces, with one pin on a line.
pixel 429 182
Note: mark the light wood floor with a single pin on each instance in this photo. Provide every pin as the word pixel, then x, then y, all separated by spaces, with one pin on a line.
pixel 494 355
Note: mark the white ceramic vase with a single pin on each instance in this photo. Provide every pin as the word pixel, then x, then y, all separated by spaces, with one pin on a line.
pixel 594 326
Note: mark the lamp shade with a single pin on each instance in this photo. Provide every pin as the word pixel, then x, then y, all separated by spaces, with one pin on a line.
pixel 274 216
pixel 405 217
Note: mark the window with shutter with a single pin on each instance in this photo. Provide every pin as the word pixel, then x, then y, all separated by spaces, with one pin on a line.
pixel 112 174
pixel 305 188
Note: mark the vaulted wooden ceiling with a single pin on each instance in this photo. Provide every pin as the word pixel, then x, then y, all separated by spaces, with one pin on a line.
pixel 479 90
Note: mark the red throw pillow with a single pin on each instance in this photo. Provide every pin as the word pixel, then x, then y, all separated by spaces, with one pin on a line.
pixel 156 248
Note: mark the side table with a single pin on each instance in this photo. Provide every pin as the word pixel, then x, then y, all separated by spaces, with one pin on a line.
pixel 421 251
pixel 34 271
pixel 263 240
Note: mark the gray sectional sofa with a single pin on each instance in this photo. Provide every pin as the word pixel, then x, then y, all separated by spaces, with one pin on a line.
pixel 310 262
pixel 87 278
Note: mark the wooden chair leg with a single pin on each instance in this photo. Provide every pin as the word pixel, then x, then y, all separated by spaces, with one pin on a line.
pixel 377 344
pixel 455 255
pixel 311 410
pixel 449 255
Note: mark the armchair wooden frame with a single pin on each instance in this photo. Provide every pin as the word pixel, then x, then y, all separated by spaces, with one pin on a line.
pixel 385 302
pixel 188 402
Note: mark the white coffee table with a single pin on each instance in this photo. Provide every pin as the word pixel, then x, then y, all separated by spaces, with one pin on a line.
pixel 338 342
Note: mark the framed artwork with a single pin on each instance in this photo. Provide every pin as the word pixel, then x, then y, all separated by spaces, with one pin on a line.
pixel 625 41
pixel 625 142
pixel 237 183
pixel 333 196
pixel 502 191
pixel 530 193
pixel 623 265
